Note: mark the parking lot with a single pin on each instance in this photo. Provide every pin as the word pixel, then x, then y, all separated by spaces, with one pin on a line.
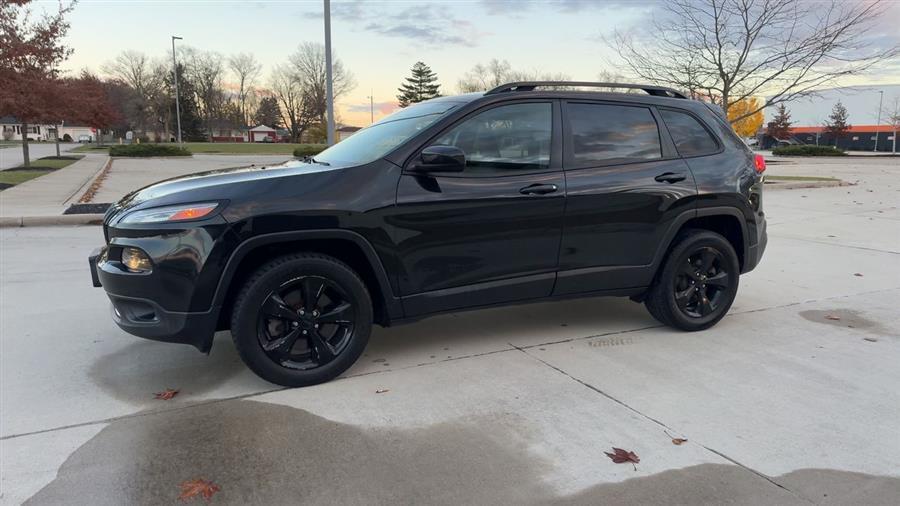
pixel 792 399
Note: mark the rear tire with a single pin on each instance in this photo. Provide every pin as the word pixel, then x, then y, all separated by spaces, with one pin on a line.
pixel 301 319
pixel 697 282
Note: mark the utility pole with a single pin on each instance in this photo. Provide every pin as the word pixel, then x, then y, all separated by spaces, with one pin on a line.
pixel 329 91
pixel 175 73
pixel 878 123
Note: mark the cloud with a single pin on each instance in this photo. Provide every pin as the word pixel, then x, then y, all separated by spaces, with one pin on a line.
pixel 432 24
pixel 380 107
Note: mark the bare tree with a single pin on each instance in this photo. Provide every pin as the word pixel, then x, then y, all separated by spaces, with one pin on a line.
pixel 147 79
pixel 205 70
pixel 730 50
pixel 497 72
pixel 308 63
pixel 288 90
pixel 247 70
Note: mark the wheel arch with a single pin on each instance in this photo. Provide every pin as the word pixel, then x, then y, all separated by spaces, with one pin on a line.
pixel 345 245
pixel 728 222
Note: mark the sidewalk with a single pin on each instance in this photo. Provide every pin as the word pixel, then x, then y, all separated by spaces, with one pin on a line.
pixel 45 198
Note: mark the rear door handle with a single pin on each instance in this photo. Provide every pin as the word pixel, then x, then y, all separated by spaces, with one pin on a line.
pixel 671 177
pixel 538 189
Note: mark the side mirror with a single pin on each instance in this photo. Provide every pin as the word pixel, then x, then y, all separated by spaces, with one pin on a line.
pixel 442 159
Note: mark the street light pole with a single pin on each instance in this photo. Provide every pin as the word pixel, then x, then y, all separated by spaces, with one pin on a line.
pixel 371 107
pixel 329 91
pixel 878 123
pixel 175 73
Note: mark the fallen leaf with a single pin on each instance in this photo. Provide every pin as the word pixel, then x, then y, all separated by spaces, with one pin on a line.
pixel 677 441
pixel 870 339
pixel 832 317
pixel 166 394
pixel 858 274
pixel 199 487
pixel 382 391
pixel 620 456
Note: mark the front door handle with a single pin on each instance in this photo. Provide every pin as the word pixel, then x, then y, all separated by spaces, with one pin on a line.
pixel 539 189
pixel 671 177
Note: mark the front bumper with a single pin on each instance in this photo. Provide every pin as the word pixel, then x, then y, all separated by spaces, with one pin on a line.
pixel 146 318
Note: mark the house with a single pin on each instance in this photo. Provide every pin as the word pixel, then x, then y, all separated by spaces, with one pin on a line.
pixel 346 131
pixel 262 132
pixel 857 138
pixel 11 130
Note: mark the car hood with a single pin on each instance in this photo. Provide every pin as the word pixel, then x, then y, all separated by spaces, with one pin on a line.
pixel 211 185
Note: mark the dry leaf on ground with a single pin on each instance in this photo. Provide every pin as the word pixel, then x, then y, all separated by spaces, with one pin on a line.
pixel 165 394
pixel 197 488
pixel 620 456
pixel 832 317
pixel 383 390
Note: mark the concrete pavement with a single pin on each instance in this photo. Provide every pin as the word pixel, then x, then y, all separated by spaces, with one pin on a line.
pixel 51 194
pixel 780 405
pixel 12 156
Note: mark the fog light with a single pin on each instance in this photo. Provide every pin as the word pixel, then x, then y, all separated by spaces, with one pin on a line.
pixel 136 260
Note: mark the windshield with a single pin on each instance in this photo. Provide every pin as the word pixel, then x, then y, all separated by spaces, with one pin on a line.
pixel 377 140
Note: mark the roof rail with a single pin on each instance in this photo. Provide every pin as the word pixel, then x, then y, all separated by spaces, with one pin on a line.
pixel 657 91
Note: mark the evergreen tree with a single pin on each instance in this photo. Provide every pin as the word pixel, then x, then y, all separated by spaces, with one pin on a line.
pixel 268 113
pixel 421 86
pixel 837 126
pixel 780 126
pixel 191 122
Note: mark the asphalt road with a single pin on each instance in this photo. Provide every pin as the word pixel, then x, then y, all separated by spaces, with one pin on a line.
pixel 779 403
pixel 11 156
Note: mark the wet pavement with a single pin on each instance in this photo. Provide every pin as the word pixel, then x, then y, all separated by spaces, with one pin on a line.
pixel 791 399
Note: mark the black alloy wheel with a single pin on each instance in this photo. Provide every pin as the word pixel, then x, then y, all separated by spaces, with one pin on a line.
pixel 697 282
pixel 701 283
pixel 302 319
pixel 306 322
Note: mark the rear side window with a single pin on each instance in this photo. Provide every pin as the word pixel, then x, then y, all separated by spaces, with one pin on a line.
pixel 691 138
pixel 607 134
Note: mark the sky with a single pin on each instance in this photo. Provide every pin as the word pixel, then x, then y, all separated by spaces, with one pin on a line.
pixel 378 41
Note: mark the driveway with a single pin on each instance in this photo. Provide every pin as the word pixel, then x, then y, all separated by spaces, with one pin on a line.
pixel 792 399
pixel 11 156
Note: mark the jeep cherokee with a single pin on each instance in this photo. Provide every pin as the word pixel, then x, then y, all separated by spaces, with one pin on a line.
pixel 530 191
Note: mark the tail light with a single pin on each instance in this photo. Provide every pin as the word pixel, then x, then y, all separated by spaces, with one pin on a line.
pixel 760 163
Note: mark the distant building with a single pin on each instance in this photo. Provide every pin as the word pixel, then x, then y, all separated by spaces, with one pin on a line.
pixel 346 131
pixel 262 132
pixel 11 130
pixel 857 138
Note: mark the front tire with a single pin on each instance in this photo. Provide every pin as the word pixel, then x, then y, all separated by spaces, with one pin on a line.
pixel 697 283
pixel 302 319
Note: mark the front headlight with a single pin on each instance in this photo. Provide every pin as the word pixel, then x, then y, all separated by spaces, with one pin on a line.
pixel 171 213
pixel 136 260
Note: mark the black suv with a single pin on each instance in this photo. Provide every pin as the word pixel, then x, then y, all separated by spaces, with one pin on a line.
pixel 530 191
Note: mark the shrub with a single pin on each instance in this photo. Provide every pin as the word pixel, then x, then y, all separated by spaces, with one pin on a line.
pixel 67 138
pixel 140 150
pixel 309 150
pixel 806 150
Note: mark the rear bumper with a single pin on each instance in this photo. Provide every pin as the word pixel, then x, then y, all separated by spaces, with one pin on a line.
pixel 755 252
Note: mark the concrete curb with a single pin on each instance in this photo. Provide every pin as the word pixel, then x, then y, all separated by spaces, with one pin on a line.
pixel 51 221
pixel 798 185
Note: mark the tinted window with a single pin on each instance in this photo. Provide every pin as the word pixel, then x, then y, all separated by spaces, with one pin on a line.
pixel 509 137
pixel 604 134
pixel 690 137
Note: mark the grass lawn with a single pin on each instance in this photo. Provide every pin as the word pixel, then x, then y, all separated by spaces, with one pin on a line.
pixel 801 178
pixel 90 148
pixel 39 167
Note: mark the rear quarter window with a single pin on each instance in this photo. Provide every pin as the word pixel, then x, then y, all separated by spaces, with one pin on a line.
pixel 690 136
pixel 604 134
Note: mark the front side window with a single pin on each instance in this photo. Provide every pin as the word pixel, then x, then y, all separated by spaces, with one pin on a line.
pixel 690 137
pixel 506 138
pixel 608 134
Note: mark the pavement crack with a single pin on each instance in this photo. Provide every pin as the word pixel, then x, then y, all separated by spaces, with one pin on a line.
pixel 658 422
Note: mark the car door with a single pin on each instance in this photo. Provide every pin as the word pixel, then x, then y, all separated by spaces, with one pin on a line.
pixel 490 233
pixel 625 186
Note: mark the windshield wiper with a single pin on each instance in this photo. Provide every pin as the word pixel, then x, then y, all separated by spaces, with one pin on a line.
pixel 310 159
